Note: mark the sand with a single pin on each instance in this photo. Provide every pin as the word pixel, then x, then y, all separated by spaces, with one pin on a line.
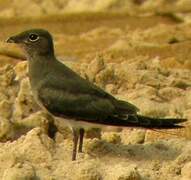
pixel 145 60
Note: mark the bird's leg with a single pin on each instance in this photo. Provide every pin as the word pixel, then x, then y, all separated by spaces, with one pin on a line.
pixel 75 143
pixel 81 140
pixel 52 129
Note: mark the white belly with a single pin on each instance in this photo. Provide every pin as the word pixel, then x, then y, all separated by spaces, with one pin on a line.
pixel 71 123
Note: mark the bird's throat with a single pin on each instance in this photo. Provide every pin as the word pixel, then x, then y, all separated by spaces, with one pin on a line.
pixel 39 67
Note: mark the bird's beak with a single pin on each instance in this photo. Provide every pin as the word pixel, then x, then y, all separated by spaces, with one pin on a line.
pixel 12 39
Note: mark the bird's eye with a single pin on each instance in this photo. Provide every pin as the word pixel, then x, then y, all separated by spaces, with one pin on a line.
pixel 33 37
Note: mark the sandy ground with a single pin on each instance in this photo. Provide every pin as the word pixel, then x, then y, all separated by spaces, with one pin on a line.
pixel 145 60
pixel 132 7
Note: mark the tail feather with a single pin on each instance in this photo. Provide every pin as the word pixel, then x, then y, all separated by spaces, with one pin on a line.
pixel 160 123
pixel 145 122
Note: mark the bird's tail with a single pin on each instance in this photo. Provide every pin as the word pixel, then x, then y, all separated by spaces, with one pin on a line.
pixel 145 122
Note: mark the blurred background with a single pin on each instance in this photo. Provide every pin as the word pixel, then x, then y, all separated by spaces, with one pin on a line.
pixel 82 28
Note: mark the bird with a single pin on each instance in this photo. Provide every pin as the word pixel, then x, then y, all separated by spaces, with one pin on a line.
pixel 63 93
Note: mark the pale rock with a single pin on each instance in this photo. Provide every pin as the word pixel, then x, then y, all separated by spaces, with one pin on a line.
pixel 89 171
pixel 22 8
pixel 161 134
pixel 6 129
pixel 134 7
pixel 159 6
pixel 94 68
pixel 177 106
pixel 101 32
pixel 21 70
pixel 49 7
pixel 185 156
pixel 63 127
pixel 140 63
pixel 111 137
pixel 93 133
pixel 37 119
pixel 134 136
pixel 84 5
pixel 20 171
pixel 5 109
pixel 186 171
pixel 188 98
pixel 100 147
pixel 120 44
pixel 7 75
pixel 11 92
pixel 35 147
pixel 152 108
pixel 151 78
pixel 128 77
pixel 121 172
pixel 12 53
pixel 154 64
pixel 142 91
pixel 106 76
pixel 81 69
pixel 111 88
pixel 24 103
pixel 180 83
pixel 169 93
pixel 187 130
pixel 3 96
pixel 187 114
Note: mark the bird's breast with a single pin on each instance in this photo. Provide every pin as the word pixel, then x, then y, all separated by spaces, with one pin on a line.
pixel 38 101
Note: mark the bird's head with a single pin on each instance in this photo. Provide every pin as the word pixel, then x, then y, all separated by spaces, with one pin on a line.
pixel 34 41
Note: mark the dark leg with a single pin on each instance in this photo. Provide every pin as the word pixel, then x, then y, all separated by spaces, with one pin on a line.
pixel 52 129
pixel 81 140
pixel 75 144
